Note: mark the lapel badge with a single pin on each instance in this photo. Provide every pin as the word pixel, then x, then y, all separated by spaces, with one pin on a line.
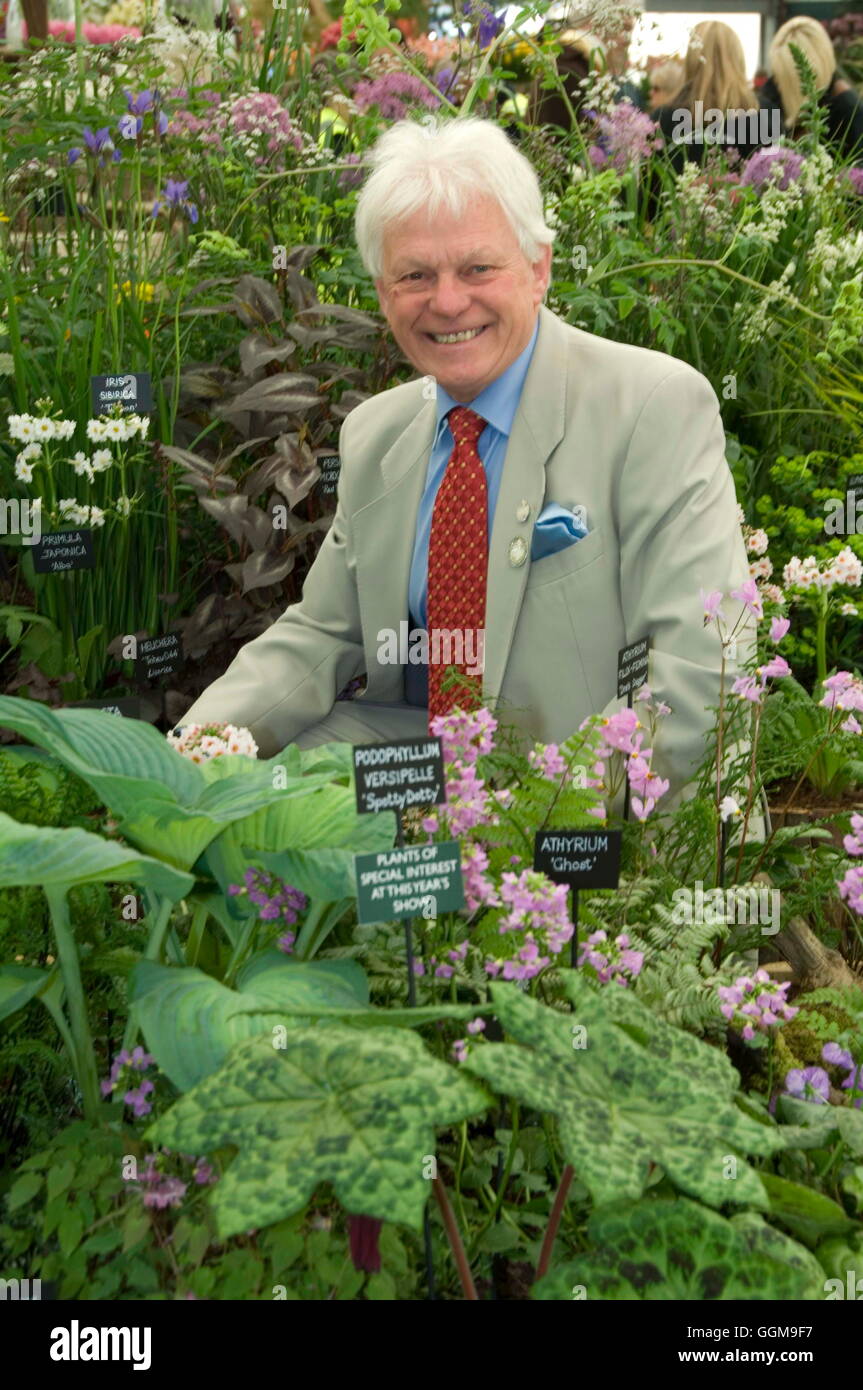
pixel 517 552
pixel 522 511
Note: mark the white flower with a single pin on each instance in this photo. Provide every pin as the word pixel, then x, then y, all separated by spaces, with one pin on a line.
pixel 71 511
pixel 115 429
pixel 23 470
pixel 30 451
pixel 81 465
pixel 97 516
pixel 761 568
pixel 848 610
pixel 64 429
pixel 44 428
pixel 22 427
pixel 757 542
pixel 123 505
pixel 728 807
pixel 102 459
pixel 96 431
pixel 7 364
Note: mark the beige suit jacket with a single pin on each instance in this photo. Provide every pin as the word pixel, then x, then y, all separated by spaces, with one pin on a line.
pixel 634 436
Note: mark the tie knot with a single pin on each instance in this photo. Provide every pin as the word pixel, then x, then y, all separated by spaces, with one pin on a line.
pixel 465 424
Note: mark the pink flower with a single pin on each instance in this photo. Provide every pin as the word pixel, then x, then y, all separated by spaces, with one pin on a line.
pixel 778 628
pixel 749 596
pixel 775 668
pixel 711 602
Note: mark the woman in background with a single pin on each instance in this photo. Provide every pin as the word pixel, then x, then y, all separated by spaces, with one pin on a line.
pixel 666 81
pixel 714 79
pixel 836 97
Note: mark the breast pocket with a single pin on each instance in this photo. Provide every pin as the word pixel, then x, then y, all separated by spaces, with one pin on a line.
pixel 568 561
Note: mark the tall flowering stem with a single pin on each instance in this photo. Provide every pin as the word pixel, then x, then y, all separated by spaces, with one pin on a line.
pixel 454 1238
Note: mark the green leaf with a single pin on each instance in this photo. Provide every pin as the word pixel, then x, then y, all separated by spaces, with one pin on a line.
pixel 18 985
pixel 190 1021
pixel 166 804
pixel 805 1212
pixel 822 1122
pixel 60 1178
pixel 622 1101
pixel 355 1108
pixel 31 854
pixel 70 1230
pixel 674 1250
pixel 136 1227
pixel 23 1191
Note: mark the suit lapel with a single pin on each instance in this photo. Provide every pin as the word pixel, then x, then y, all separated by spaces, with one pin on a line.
pixel 538 428
pixel 384 530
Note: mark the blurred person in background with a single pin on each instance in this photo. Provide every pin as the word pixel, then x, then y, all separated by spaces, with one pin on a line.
pixel 715 81
pixel 666 80
pixel 836 97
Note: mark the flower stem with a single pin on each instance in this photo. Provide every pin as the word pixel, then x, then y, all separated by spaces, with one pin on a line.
pixel 554 1221
pixel 455 1241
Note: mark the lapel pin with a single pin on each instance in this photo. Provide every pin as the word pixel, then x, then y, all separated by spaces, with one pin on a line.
pixel 522 511
pixel 517 552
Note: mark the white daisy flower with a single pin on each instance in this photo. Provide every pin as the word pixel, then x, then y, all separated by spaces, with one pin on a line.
pixel 96 431
pixel 24 428
pixel 44 428
pixel 97 516
pixel 31 451
pixel 102 459
pixel 23 470
pixel 115 429
pixel 64 429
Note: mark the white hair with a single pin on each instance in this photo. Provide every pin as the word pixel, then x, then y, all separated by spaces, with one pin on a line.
pixel 448 163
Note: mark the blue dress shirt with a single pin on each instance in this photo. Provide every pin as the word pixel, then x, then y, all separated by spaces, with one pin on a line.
pixel 497 404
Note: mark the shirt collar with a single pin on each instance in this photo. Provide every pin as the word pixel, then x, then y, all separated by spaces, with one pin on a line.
pixel 498 402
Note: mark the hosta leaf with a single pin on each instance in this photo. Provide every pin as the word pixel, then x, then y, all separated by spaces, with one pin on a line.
pixel 675 1250
pixel 354 1108
pixel 31 854
pixel 165 803
pixel 18 985
pixel 191 1021
pixel 328 820
pixel 619 1104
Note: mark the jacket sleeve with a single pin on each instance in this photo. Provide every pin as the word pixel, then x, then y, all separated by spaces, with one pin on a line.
pixel 288 678
pixel 678 529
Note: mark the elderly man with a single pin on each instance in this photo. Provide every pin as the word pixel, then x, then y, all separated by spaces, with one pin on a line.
pixel 550 494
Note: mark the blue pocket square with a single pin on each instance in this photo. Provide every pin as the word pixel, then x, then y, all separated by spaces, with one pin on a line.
pixel 556 528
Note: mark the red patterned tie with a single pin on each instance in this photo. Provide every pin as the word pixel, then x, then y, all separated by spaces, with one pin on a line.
pixel 458 564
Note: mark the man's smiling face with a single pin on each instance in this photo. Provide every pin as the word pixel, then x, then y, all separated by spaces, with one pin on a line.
pixel 450 275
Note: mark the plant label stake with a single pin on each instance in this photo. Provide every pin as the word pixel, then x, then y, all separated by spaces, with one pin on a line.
pixel 402 881
pixel 330 466
pixel 632 665
pixel 132 392
pixel 580 858
pixel 60 551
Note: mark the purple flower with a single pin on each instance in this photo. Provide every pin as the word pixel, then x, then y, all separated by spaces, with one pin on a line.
pixel 836 1055
pixel 137 1098
pixel 393 94
pixel 776 164
pixel 130 127
pixel 169 1193
pixel 174 198
pixel 97 141
pixel 445 81
pixel 855 178
pixel 808 1083
pixel 625 136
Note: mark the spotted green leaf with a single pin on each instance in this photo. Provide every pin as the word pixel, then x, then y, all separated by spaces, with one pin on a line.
pixel 191 1021
pixel 356 1108
pixel 674 1250
pixel 622 1102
